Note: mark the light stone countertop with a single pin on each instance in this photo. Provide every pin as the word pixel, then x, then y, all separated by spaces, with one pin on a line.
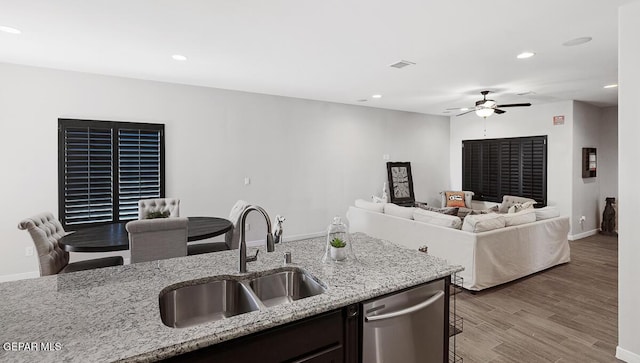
pixel 112 314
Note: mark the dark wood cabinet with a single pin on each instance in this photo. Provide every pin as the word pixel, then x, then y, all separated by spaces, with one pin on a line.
pixel 330 337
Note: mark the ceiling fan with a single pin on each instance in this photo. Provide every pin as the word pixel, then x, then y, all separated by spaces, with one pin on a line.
pixel 485 108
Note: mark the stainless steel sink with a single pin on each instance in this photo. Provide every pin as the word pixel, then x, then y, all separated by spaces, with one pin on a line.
pixel 211 300
pixel 196 304
pixel 285 286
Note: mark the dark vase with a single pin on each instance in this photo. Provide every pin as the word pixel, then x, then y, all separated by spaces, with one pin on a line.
pixel 608 226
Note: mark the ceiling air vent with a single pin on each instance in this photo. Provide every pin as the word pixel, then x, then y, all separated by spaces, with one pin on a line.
pixel 401 64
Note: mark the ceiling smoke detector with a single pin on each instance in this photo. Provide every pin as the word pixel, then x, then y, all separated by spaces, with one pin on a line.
pixel 401 64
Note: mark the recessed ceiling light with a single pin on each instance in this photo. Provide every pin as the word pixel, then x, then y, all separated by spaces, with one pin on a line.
pixel 376 96
pixel 611 86
pixel 179 57
pixel 464 109
pixel 577 41
pixel 525 55
pixel 10 30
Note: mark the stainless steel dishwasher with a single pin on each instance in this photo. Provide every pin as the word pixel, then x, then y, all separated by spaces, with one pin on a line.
pixel 407 327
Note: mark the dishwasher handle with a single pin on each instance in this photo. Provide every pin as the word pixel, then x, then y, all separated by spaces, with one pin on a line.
pixel 408 310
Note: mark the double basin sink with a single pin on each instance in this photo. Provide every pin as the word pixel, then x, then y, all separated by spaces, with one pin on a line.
pixel 217 298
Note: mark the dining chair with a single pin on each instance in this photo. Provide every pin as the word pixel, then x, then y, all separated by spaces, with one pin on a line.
pixel 160 207
pixel 231 238
pixel 157 239
pixel 46 231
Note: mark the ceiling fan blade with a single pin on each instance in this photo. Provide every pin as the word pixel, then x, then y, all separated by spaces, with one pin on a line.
pixel 466 112
pixel 497 111
pixel 515 105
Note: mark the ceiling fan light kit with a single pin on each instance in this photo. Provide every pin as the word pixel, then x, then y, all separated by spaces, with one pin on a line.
pixel 485 108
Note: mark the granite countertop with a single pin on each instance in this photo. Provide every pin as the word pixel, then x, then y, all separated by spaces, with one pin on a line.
pixel 112 314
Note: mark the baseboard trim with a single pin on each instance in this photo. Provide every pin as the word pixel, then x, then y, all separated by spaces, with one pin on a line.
pixel 627 356
pixel 20 276
pixel 297 237
pixel 573 237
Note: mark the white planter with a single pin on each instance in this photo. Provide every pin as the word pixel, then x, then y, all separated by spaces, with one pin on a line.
pixel 338 254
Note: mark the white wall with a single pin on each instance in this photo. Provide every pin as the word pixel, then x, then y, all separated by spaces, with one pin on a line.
pixel 586 191
pixel 629 174
pixel 531 121
pixel 608 157
pixel 307 160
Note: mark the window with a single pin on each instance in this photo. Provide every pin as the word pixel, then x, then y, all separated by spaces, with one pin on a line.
pixel 105 167
pixel 513 166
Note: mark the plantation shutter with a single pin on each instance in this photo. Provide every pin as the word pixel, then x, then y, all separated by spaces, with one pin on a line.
pixel 513 166
pixel 105 167
pixel 88 175
pixel 138 169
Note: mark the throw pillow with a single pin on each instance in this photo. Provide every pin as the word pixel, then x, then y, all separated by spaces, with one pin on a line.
pixel 510 200
pixel 455 199
pixel 452 211
pixel 517 207
pixel 468 197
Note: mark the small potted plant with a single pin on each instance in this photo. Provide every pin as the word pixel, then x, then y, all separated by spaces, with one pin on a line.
pixel 338 252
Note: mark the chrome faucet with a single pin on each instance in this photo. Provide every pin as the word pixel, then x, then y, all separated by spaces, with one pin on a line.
pixel 243 243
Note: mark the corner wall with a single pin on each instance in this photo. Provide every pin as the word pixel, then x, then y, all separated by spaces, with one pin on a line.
pixel 585 191
pixel 629 174
pixel 307 160
pixel 608 158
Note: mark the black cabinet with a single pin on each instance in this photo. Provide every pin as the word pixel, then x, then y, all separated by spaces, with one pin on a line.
pixel 330 337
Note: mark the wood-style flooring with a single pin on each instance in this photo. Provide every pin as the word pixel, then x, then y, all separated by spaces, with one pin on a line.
pixel 568 313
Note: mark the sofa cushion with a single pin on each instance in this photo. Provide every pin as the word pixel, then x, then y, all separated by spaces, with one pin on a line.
pixel 375 207
pixel 446 210
pixel 468 196
pixel 398 211
pixel 546 213
pixel 522 217
pixel 509 200
pixel 483 222
pixel 437 219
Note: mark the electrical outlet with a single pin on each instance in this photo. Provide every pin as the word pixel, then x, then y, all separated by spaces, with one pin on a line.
pixel 385 157
pixel 247 180
pixel 28 251
pixel 582 219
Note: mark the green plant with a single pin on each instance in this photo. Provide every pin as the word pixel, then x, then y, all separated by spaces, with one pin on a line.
pixel 337 243
pixel 158 214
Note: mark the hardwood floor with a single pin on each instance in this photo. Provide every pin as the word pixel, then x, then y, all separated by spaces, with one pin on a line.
pixel 568 313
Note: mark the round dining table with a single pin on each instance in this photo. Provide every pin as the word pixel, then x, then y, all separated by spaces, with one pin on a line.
pixel 114 236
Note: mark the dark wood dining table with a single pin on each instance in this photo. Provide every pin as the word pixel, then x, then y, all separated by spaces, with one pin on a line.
pixel 114 237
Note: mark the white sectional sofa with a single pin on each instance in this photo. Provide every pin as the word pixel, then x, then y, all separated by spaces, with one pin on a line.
pixel 490 258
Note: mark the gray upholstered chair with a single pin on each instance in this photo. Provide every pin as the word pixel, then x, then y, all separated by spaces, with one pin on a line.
pixel 46 231
pixel 157 239
pixel 232 238
pixel 162 205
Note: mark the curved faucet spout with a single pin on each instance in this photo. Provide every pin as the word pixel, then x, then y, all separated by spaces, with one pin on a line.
pixel 243 243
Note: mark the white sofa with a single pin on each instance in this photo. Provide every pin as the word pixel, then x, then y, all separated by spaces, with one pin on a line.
pixel 490 258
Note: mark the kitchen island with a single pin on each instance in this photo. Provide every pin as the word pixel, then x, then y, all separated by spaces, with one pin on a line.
pixel 112 314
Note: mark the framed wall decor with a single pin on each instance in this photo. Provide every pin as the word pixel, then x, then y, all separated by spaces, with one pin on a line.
pixel 400 183
pixel 589 162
